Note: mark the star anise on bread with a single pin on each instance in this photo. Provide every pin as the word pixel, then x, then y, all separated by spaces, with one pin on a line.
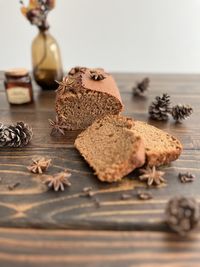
pixel 56 126
pixel 58 181
pixel 76 69
pixel 39 165
pixel 152 176
pixel 97 75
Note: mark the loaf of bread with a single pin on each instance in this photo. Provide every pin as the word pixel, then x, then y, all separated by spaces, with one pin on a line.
pixel 111 147
pixel 86 95
pixel 161 147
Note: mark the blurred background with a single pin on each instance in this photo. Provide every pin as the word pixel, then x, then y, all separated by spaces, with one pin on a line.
pixel 119 35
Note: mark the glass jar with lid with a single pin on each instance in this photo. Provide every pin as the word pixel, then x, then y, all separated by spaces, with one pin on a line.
pixel 18 86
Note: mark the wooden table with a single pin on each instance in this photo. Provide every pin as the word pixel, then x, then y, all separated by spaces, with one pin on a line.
pixel 40 227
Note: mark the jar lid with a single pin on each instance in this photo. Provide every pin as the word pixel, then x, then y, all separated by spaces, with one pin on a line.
pixel 17 72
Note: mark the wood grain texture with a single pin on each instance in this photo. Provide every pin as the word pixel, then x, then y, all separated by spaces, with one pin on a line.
pixel 31 205
pixel 27 248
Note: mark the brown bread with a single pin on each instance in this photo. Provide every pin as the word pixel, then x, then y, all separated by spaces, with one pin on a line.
pixel 86 95
pixel 111 148
pixel 161 147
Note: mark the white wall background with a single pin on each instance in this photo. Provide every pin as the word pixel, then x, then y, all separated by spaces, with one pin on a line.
pixel 119 35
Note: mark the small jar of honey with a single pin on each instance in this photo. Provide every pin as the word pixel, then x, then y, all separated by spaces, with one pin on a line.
pixel 18 86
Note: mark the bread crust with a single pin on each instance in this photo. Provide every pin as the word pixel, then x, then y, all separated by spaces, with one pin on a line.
pixel 162 155
pixel 107 85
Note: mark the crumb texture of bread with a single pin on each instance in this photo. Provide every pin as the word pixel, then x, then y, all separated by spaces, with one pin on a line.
pixel 111 148
pixel 161 147
pixel 81 100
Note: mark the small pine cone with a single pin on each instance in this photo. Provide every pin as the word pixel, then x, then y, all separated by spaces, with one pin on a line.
pixel 141 87
pixel 182 214
pixel 181 112
pixel 18 135
pixel 160 108
pixel 2 135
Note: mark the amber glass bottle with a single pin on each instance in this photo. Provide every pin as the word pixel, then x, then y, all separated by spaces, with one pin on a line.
pixel 46 60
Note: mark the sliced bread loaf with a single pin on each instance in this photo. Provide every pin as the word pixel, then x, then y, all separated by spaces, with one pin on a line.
pixel 85 95
pixel 161 147
pixel 111 148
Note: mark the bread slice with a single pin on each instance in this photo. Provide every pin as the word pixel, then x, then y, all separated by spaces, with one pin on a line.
pixel 161 147
pixel 86 95
pixel 111 148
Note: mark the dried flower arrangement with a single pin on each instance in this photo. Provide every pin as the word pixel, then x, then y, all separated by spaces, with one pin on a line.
pixel 37 11
pixel 46 62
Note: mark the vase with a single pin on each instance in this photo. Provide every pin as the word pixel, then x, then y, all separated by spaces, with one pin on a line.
pixel 46 61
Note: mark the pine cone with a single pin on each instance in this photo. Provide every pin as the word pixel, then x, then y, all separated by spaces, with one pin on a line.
pixel 17 135
pixel 160 108
pixel 182 214
pixel 141 87
pixel 181 112
pixel 2 135
pixel 1 129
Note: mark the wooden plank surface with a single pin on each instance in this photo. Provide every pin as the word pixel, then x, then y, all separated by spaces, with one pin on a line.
pixel 30 205
pixel 28 248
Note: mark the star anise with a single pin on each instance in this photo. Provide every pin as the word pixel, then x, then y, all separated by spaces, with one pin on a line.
pixel 97 75
pixel 39 165
pixel 76 69
pixel 152 176
pixel 58 181
pixel 56 126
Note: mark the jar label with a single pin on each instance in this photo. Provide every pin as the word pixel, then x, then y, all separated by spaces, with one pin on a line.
pixel 18 95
